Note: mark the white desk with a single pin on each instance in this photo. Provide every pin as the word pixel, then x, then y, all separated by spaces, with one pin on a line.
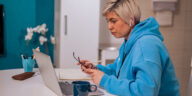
pixel 30 87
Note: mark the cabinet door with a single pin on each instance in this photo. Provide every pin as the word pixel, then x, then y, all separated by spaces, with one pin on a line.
pixel 79 31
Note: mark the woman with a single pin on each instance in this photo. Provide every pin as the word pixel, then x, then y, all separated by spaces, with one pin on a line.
pixel 143 67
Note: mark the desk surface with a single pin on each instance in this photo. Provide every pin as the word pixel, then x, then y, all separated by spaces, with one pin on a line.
pixel 30 87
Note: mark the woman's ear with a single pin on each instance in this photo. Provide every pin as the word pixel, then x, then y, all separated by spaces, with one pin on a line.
pixel 131 22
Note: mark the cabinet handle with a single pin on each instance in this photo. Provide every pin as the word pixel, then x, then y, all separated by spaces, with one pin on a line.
pixel 65 24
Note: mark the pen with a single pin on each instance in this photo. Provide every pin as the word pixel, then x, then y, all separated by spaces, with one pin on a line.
pixel 22 56
pixel 32 57
pixel 99 61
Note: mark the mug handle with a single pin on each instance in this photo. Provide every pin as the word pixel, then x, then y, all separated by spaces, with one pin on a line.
pixel 92 88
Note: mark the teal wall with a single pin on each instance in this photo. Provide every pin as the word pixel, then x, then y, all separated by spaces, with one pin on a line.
pixel 45 14
pixel 20 14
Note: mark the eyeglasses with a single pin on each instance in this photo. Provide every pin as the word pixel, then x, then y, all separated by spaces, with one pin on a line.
pixel 77 59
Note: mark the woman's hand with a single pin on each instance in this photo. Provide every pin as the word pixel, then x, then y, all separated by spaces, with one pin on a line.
pixel 86 65
pixel 95 74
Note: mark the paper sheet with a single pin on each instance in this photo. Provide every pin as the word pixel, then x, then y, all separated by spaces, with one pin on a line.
pixel 73 74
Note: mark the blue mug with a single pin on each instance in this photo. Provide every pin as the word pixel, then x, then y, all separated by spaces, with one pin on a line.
pixel 82 88
pixel 28 64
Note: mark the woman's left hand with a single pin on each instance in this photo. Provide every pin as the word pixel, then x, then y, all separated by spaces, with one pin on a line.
pixel 95 74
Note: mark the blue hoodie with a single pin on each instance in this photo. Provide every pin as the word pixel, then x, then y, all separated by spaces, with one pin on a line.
pixel 146 69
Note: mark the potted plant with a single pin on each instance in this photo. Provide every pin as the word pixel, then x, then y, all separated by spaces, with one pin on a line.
pixel 36 38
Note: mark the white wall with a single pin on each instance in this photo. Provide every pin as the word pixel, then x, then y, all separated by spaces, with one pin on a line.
pixel 57 22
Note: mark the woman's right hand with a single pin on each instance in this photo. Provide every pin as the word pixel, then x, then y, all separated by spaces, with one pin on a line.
pixel 85 64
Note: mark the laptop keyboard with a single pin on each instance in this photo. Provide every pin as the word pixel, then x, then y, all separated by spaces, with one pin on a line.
pixel 66 87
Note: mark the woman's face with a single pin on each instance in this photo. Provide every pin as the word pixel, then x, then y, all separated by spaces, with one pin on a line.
pixel 118 27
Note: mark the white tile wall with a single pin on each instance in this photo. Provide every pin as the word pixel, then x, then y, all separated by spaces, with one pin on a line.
pixel 188 24
pixel 189 4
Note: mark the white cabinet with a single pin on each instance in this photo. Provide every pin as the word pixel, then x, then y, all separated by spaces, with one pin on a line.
pixel 76 29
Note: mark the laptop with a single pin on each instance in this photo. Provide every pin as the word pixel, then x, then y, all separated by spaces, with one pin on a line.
pixel 60 88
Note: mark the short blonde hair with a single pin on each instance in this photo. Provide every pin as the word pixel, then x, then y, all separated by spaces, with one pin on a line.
pixel 126 9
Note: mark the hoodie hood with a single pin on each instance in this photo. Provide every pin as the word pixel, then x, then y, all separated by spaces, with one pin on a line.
pixel 147 27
